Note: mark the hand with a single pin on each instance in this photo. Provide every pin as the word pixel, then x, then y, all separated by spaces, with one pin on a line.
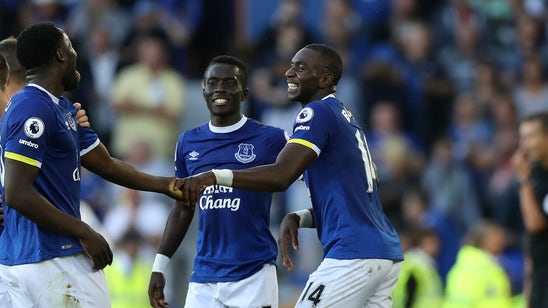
pixel 81 116
pixel 289 230
pixel 173 190
pixel 156 290
pixel 97 249
pixel 521 164
pixel 192 186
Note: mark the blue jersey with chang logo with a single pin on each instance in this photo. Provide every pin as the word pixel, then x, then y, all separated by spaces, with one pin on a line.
pixel 234 239
pixel 350 221
pixel 40 130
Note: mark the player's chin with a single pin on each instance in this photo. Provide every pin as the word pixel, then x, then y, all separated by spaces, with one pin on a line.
pixel 292 95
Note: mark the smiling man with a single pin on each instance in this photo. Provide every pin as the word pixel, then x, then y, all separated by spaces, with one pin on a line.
pixel 236 253
pixel 362 251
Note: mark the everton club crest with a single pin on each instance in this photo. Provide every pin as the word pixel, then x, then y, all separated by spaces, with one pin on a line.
pixel 245 153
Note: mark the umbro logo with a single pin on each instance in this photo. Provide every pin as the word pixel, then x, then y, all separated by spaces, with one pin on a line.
pixel 193 155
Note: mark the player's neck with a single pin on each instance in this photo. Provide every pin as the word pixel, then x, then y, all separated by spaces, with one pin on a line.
pixel 221 121
pixel 47 80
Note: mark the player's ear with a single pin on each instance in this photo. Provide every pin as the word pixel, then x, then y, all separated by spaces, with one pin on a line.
pixel 326 81
pixel 59 56
pixel 245 94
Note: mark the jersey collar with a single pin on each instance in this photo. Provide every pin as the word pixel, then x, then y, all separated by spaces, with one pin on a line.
pixel 228 129
pixel 53 98
pixel 329 96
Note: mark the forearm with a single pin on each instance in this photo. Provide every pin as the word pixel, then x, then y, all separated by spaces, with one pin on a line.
pixel 263 178
pixel 126 175
pixel 119 172
pixel 39 210
pixel 177 225
pixel 532 215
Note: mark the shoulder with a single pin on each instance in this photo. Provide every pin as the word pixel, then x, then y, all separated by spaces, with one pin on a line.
pixel 30 101
pixel 263 129
pixel 194 133
pixel 316 109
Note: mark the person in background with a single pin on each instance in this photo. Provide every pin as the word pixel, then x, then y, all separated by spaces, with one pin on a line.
pixel 149 99
pixel 530 163
pixel 477 279
pixel 16 79
pixel 329 147
pixel 128 274
pixel 420 284
pixel 236 252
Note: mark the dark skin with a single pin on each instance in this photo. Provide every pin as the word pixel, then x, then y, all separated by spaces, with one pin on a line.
pixel 223 93
pixel 308 80
pixel 58 77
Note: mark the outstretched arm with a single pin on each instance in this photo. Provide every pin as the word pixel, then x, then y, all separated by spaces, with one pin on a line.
pixel 119 172
pixel 290 164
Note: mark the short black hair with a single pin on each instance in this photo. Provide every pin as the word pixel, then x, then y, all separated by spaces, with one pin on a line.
pixel 230 60
pixel 332 59
pixel 4 73
pixel 8 49
pixel 542 117
pixel 37 44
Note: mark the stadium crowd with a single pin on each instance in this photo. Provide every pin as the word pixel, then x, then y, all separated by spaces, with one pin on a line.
pixel 439 85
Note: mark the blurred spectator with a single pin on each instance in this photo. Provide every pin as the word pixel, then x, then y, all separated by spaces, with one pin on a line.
pixel 145 216
pixel 149 98
pixel 455 15
pixel 396 154
pixel 419 284
pixel 127 277
pixel 99 68
pixel 526 38
pixel 173 21
pixel 288 12
pixel 403 71
pixel 487 86
pixel 34 11
pixel 477 279
pixel 268 82
pixel 468 131
pixel 341 31
pixel 375 17
pixel 460 60
pixel 449 187
pixel 531 92
pixel 502 196
pixel 93 15
pixel 417 213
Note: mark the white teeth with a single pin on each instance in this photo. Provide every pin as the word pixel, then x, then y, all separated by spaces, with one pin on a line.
pixel 291 85
pixel 220 101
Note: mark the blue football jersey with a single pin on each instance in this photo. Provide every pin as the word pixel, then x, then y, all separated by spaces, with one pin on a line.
pixel 40 130
pixel 342 182
pixel 234 239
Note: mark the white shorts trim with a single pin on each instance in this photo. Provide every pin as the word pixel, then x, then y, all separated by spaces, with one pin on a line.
pixel 351 283
pixel 257 290
pixel 59 282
